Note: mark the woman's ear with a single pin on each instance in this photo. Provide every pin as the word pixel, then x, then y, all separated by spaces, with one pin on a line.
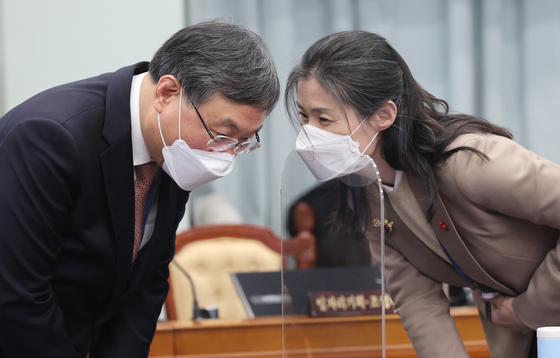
pixel 386 115
pixel 167 87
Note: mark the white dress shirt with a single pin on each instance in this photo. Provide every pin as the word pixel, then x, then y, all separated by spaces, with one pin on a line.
pixel 140 155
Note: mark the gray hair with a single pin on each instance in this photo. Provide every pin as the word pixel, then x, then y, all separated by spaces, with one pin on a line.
pixel 216 57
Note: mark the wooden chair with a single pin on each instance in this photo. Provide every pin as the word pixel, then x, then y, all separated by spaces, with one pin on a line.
pixel 210 253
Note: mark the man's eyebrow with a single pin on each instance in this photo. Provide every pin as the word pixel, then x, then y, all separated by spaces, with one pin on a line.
pixel 228 122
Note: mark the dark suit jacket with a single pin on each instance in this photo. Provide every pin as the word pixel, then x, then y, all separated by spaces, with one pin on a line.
pixel 67 226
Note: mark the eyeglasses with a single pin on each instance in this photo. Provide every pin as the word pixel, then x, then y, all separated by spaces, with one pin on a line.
pixel 221 143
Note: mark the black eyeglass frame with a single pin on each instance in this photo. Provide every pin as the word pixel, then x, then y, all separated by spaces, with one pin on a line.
pixel 247 147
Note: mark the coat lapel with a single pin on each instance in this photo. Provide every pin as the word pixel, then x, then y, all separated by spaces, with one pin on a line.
pixel 119 186
pixel 451 240
pixel 418 253
pixel 163 226
pixel 409 211
pixel 170 203
pixel 118 173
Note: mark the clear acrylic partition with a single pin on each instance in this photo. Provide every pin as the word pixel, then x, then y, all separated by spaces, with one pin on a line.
pixel 339 306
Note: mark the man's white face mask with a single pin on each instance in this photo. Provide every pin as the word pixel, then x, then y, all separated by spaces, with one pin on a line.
pixel 192 168
pixel 329 156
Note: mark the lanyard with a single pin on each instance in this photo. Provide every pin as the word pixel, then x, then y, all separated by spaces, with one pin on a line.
pixel 472 283
pixel 456 266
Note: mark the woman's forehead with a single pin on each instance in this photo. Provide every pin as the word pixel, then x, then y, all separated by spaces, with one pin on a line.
pixel 313 96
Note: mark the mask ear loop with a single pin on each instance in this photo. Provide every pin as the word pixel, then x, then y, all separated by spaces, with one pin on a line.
pixel 160 132
pixel 358 127
pixel 375 136
pixel 159 122
pixel 180 105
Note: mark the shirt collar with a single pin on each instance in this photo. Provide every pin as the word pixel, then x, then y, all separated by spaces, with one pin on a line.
pixel 398 177
pixel 140 154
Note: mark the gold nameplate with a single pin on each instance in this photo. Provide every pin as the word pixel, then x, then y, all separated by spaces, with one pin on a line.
pixel 349 303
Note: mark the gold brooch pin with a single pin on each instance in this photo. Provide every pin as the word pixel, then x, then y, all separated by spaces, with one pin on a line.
pixel 388 225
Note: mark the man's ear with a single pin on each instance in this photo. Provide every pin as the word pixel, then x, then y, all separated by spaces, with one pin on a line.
pixel 167 87
pixel 386 115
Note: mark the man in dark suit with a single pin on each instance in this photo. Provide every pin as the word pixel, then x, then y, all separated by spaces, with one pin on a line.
pixel 86 234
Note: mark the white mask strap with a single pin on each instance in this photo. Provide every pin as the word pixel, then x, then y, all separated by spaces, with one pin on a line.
pixel 160 132
pixel 180 105
pixel 159 122
pixel 358 127
pixel 375 136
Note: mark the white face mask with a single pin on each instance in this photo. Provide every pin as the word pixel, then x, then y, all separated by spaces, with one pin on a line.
pixel 329 156
pixel 192 168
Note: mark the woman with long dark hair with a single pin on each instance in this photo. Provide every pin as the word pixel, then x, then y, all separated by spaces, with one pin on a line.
pixel 468 205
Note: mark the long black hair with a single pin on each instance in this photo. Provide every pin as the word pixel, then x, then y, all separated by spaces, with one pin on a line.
pixel 360 69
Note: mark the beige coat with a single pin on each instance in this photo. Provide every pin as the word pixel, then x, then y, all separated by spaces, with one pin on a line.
pixel 503 224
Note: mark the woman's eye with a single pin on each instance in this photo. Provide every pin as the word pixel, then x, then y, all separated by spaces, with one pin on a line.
pixel 303 118
pixel 323 120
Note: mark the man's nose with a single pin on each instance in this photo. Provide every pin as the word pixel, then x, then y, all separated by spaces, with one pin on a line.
pixel 230 150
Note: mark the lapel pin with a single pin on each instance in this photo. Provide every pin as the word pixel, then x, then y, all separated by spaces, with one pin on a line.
pixel 442 225
pixel 388 225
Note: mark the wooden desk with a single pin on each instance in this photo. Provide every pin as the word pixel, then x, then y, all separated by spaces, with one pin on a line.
pixel 357 337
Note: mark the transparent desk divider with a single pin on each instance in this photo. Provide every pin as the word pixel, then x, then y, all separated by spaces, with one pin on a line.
pixel 338 307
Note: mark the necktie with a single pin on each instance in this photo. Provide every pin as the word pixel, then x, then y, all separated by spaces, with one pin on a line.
pixel 144 177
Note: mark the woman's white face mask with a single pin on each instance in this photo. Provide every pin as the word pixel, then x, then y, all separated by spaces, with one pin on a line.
pixel 192 168
pixel 329 156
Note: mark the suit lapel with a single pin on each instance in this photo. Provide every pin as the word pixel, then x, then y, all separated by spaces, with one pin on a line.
pixel 119 186
pixel 118 172
pixel 417 252
pixel 409 211
pixel 411 245
pixel 163 225
pixel 451 240
pixel 171 200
